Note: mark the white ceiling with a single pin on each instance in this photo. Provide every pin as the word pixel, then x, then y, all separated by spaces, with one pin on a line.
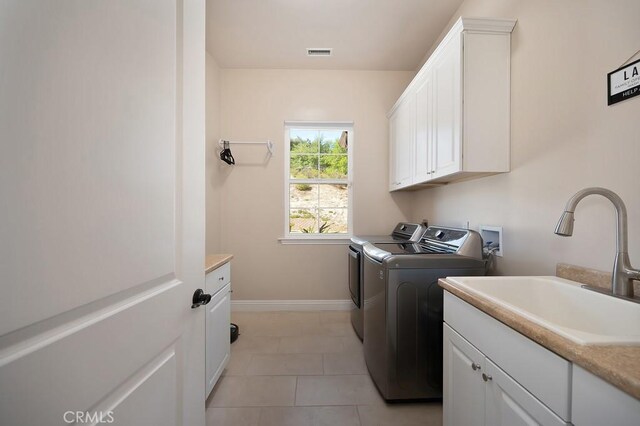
pixel 364 34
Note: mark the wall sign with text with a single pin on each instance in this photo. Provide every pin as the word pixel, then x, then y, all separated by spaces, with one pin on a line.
pixel 624 83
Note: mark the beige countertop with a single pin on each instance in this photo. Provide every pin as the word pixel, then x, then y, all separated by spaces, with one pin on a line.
pixel 618 365
pixel 214 261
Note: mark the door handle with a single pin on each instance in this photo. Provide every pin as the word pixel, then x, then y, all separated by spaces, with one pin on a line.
pixel 200 298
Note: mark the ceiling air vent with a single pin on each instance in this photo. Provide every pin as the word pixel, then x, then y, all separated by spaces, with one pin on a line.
pixel 318 51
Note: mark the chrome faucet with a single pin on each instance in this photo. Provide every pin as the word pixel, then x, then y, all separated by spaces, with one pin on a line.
pixel 623 274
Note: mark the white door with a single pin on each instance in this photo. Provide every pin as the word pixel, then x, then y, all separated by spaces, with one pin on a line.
pixel 463 387
pixel 102 223
pixel 448 109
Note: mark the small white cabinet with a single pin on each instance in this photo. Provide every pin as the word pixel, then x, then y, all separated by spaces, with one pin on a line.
pixel 218 318
pixel 453 120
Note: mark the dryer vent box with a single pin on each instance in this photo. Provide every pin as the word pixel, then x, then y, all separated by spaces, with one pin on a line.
pixel 492 234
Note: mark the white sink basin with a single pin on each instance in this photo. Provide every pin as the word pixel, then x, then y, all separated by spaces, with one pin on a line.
pixel 562 306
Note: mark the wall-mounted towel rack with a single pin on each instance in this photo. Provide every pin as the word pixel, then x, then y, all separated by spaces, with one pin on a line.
pixel 269 144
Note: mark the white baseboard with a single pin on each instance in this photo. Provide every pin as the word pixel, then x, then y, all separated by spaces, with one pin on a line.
pixel 290 305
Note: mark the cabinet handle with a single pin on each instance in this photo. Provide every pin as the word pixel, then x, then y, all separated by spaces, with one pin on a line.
pixel 475 366
pixel 486 377
pixel 221 279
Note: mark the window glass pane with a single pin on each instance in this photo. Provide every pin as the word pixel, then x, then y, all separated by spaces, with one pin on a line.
pixel 303 195
pixel 333 221
pixel 303 141
pixel 304 166
pixel 303 221
pixel 333 196
pixel 334 142
pixel 334 166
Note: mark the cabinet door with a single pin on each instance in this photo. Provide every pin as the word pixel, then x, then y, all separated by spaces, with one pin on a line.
pixel 218 344
pixel 424 128
pixel 509 404
pixel 402 143
pixel 447 125
pixel 463 388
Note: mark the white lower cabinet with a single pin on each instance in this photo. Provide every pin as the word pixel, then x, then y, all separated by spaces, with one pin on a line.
pixel 495 376
pixel 477 392
pixel 218 318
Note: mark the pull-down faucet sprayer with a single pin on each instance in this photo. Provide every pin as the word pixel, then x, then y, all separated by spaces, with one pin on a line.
pixel 623 274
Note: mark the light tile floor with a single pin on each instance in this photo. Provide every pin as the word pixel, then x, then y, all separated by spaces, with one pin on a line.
pixel 304 368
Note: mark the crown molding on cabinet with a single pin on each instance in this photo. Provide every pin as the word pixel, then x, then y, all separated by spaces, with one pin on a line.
pixel 479 25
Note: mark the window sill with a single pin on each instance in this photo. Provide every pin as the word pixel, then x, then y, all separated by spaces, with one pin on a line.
pixel 311 240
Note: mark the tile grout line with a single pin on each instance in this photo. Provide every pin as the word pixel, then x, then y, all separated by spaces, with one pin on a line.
pixel 260 416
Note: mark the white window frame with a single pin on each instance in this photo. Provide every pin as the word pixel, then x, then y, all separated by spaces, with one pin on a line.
pixel 317 237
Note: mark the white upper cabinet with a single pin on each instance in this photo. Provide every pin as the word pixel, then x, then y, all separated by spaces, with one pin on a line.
pixel 402 124
pixel 453 120
pixel 424 129
pixel 446 109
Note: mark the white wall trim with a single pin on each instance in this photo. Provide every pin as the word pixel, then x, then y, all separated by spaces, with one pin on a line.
pixel 290 305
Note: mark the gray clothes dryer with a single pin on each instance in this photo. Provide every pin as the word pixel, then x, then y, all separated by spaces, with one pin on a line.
pixel 403 309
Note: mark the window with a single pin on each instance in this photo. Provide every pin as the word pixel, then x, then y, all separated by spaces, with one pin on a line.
pixel 318 180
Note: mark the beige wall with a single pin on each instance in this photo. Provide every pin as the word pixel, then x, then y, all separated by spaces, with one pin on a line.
pixel 254 106
pixel 213 182
pixel 564 137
